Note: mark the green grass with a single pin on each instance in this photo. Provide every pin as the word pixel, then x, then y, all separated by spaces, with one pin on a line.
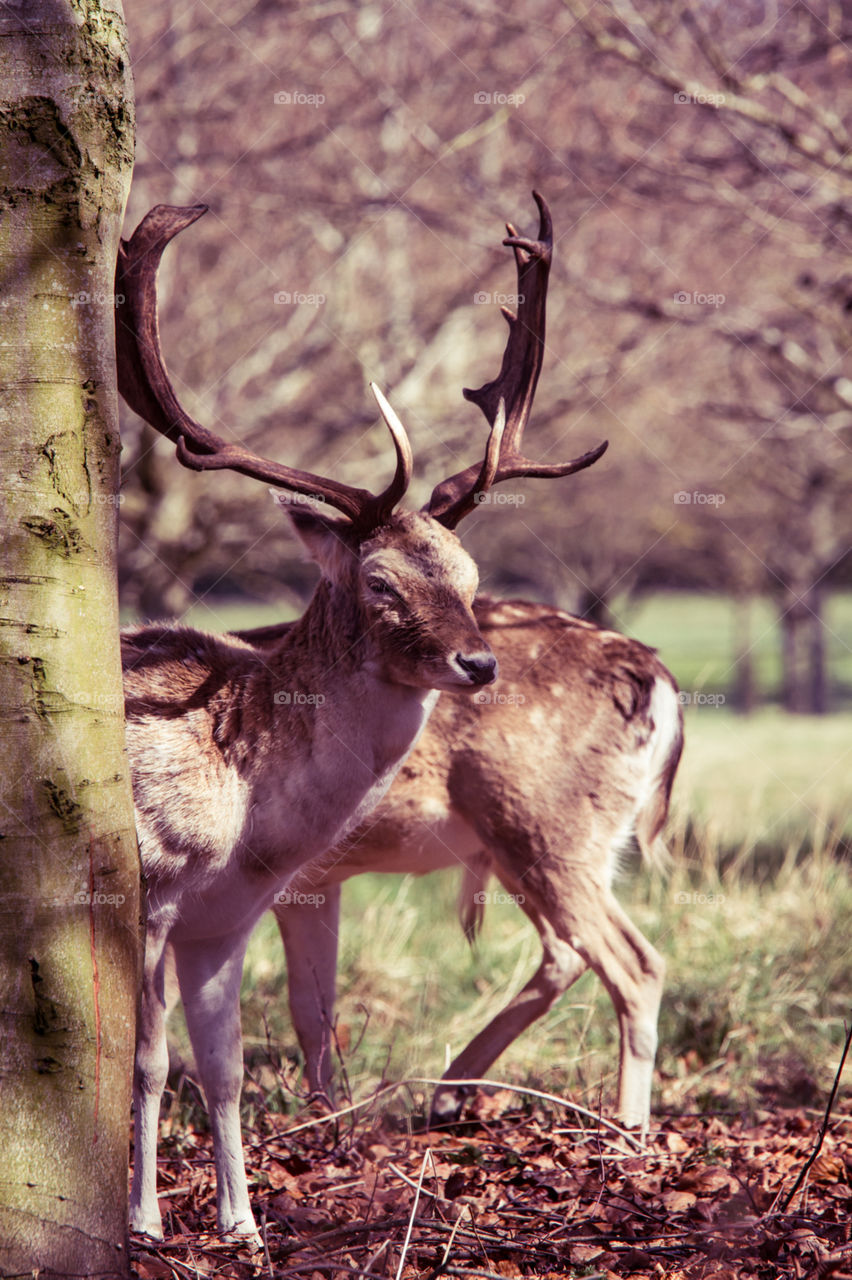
pixel 767 778
pixel 758 986
pixel 693 633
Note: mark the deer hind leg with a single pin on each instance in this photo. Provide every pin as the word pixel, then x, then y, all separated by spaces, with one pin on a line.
pixel 309 934
pixel 560 967
pixel 581 926
pixel 151 1067
pixel 209 973
pixel 632 972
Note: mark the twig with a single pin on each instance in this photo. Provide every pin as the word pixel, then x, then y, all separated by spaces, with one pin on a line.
pixel 358 1272
pixel 436 1271
pixel 374 1257
pixel 410 1181
pixel 173 1263
pixel 532 1093
pixel 495 1275
pixel 344 1111
pixel 266 1246
pixel 324 1238
pixel 488 1084
pixel 823 1130
pixel 405 1244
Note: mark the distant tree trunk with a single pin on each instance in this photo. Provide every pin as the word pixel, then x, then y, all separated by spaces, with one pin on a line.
pixel 69 876
pixel 803 651
pixel 594 608
pixel 743 693
pixel 817 662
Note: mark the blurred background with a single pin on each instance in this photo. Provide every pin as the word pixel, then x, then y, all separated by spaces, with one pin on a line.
pixel 359 162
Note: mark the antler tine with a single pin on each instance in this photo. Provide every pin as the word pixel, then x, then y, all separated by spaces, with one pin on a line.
pixel 145 384
pixel 404 457
pixel 515 385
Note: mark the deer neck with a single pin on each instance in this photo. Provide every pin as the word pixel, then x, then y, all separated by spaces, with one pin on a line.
pixel 340 672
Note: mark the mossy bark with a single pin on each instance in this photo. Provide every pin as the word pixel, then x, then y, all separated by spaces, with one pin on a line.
pixel 69 874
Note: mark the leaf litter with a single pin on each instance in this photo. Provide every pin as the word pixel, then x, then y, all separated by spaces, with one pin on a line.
pixel 520 1187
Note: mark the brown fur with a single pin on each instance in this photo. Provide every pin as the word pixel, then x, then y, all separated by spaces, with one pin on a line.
pixel 248 762
pixel 541 781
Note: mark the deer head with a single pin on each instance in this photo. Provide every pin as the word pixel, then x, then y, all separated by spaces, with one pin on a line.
pixel 402 578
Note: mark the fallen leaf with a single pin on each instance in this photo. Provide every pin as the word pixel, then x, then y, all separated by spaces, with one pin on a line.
pixel 827 1167
pixel 678 1201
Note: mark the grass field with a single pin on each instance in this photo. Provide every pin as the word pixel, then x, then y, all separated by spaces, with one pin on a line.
pixel 693 633
pixel 753 923
pixel 695 637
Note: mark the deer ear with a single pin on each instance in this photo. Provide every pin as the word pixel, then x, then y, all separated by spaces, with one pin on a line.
pixel 328 540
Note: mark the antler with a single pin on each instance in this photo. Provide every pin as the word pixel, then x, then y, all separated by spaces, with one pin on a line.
pixel 145 384
pixel 512 391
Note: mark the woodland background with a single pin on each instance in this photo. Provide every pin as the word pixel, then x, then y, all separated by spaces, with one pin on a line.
pixel 359 163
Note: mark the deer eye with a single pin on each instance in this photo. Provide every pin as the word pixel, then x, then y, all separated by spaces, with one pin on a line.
pixel 380 587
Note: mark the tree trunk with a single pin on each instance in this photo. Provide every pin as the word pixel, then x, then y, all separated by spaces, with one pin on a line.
pixel 69 874
pixel 803 651
pixel 594 608
pixel 817 674
pixel 743 694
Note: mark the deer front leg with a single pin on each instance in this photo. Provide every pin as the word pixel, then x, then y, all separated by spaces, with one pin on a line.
pixel 149 1079
pixel 209 972
pixel 309 933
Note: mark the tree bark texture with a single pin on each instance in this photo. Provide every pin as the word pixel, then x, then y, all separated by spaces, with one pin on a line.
pixel 69 873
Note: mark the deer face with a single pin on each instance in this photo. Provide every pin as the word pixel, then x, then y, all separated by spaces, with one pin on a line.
pixel 417 585
pixel 414 584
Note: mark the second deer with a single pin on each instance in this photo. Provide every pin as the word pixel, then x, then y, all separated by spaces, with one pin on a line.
pixel 541 781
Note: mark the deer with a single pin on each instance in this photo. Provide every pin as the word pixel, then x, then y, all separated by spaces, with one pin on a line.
pixel 542 780
pixel 247 763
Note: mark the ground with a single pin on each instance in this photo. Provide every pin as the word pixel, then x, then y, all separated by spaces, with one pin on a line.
pixel 521 1188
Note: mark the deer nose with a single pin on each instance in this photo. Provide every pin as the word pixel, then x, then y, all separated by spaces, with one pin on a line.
pixel 481 667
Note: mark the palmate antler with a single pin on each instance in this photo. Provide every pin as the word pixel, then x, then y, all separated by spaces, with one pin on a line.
pixel 145 384
pixel 506 402
pixel 510 395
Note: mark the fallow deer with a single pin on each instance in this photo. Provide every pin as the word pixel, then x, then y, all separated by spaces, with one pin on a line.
pixel 248 764
pixel 542 781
